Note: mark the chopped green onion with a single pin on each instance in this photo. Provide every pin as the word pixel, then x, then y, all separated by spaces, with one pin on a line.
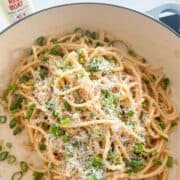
pixel 65 121
pixel 114 157
pixel 96 162
pixel 37 176
pixel 165 83
pixel 157 161
pixel 30 109
pixel 65 138
pixel 17 175
pixel 0 147
pixel 76 143
pixel 132 52
pixel 42 147
pixel 55 130
pixel 146 81
pixel 43 72
pixel 24 78
pixel 134 164
pixel 41 40
pixel 145 104
pixel 92 35
pixel 13 123
pixel 24 166
pixel 17 130
pixel 67 106
pixel 170 161
pixel 144 60
pixel 55 50
pixel 96 64
pixel 130 113
pixel 3 155
pixel 9 145
pixel 11 88
pixel 3 119
pixel 16 104
pixel 109 98
pixel 162 125
pixel 43 58
pixel 11 159
pixel 78 30
pixel 56 113
pixel 138 148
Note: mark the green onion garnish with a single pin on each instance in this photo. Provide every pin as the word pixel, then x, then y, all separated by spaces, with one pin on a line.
pixel 17 175
pixel 11 159
pixel 3 155
pixel 24 166
pixel 3 119
pixel 13 123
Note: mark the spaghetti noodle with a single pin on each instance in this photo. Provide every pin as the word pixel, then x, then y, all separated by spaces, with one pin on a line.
pixel 92 110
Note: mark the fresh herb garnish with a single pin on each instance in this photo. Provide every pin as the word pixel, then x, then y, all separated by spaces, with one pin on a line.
pixel 30 108
pixel 11 159
pixel 79 30
pixel 24 166
pixel 65 121
pixel 170 161
pixel 92 35
pixel 134 164
pixel 3 119
pixel 3 155
pixel 96 64
pixel 132 52
pixel 55 130
pixel 17 130
pixel 109 98
pixel 157 161
pixel 55 50
pixel 162 125
pixel 130 113
pixel 114 157
pixel 145 104
pixel 43 72
pixel 9 145
pixel 24 78
pixel 42 147
pixel 67 106
pixel 16 103
pixel 13 123
pixel 41 40
pixel 11 88
pixel 165 83
pixel 37 176
pixel 96 162
pixel 17 175
pixel 138 148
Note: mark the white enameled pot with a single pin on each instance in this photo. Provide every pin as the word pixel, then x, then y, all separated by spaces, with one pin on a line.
pixel 158 44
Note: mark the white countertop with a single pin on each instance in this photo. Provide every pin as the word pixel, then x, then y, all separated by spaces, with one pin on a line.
pixel 138 5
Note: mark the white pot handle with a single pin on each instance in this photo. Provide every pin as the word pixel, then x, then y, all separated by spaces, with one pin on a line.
pixel 168 7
